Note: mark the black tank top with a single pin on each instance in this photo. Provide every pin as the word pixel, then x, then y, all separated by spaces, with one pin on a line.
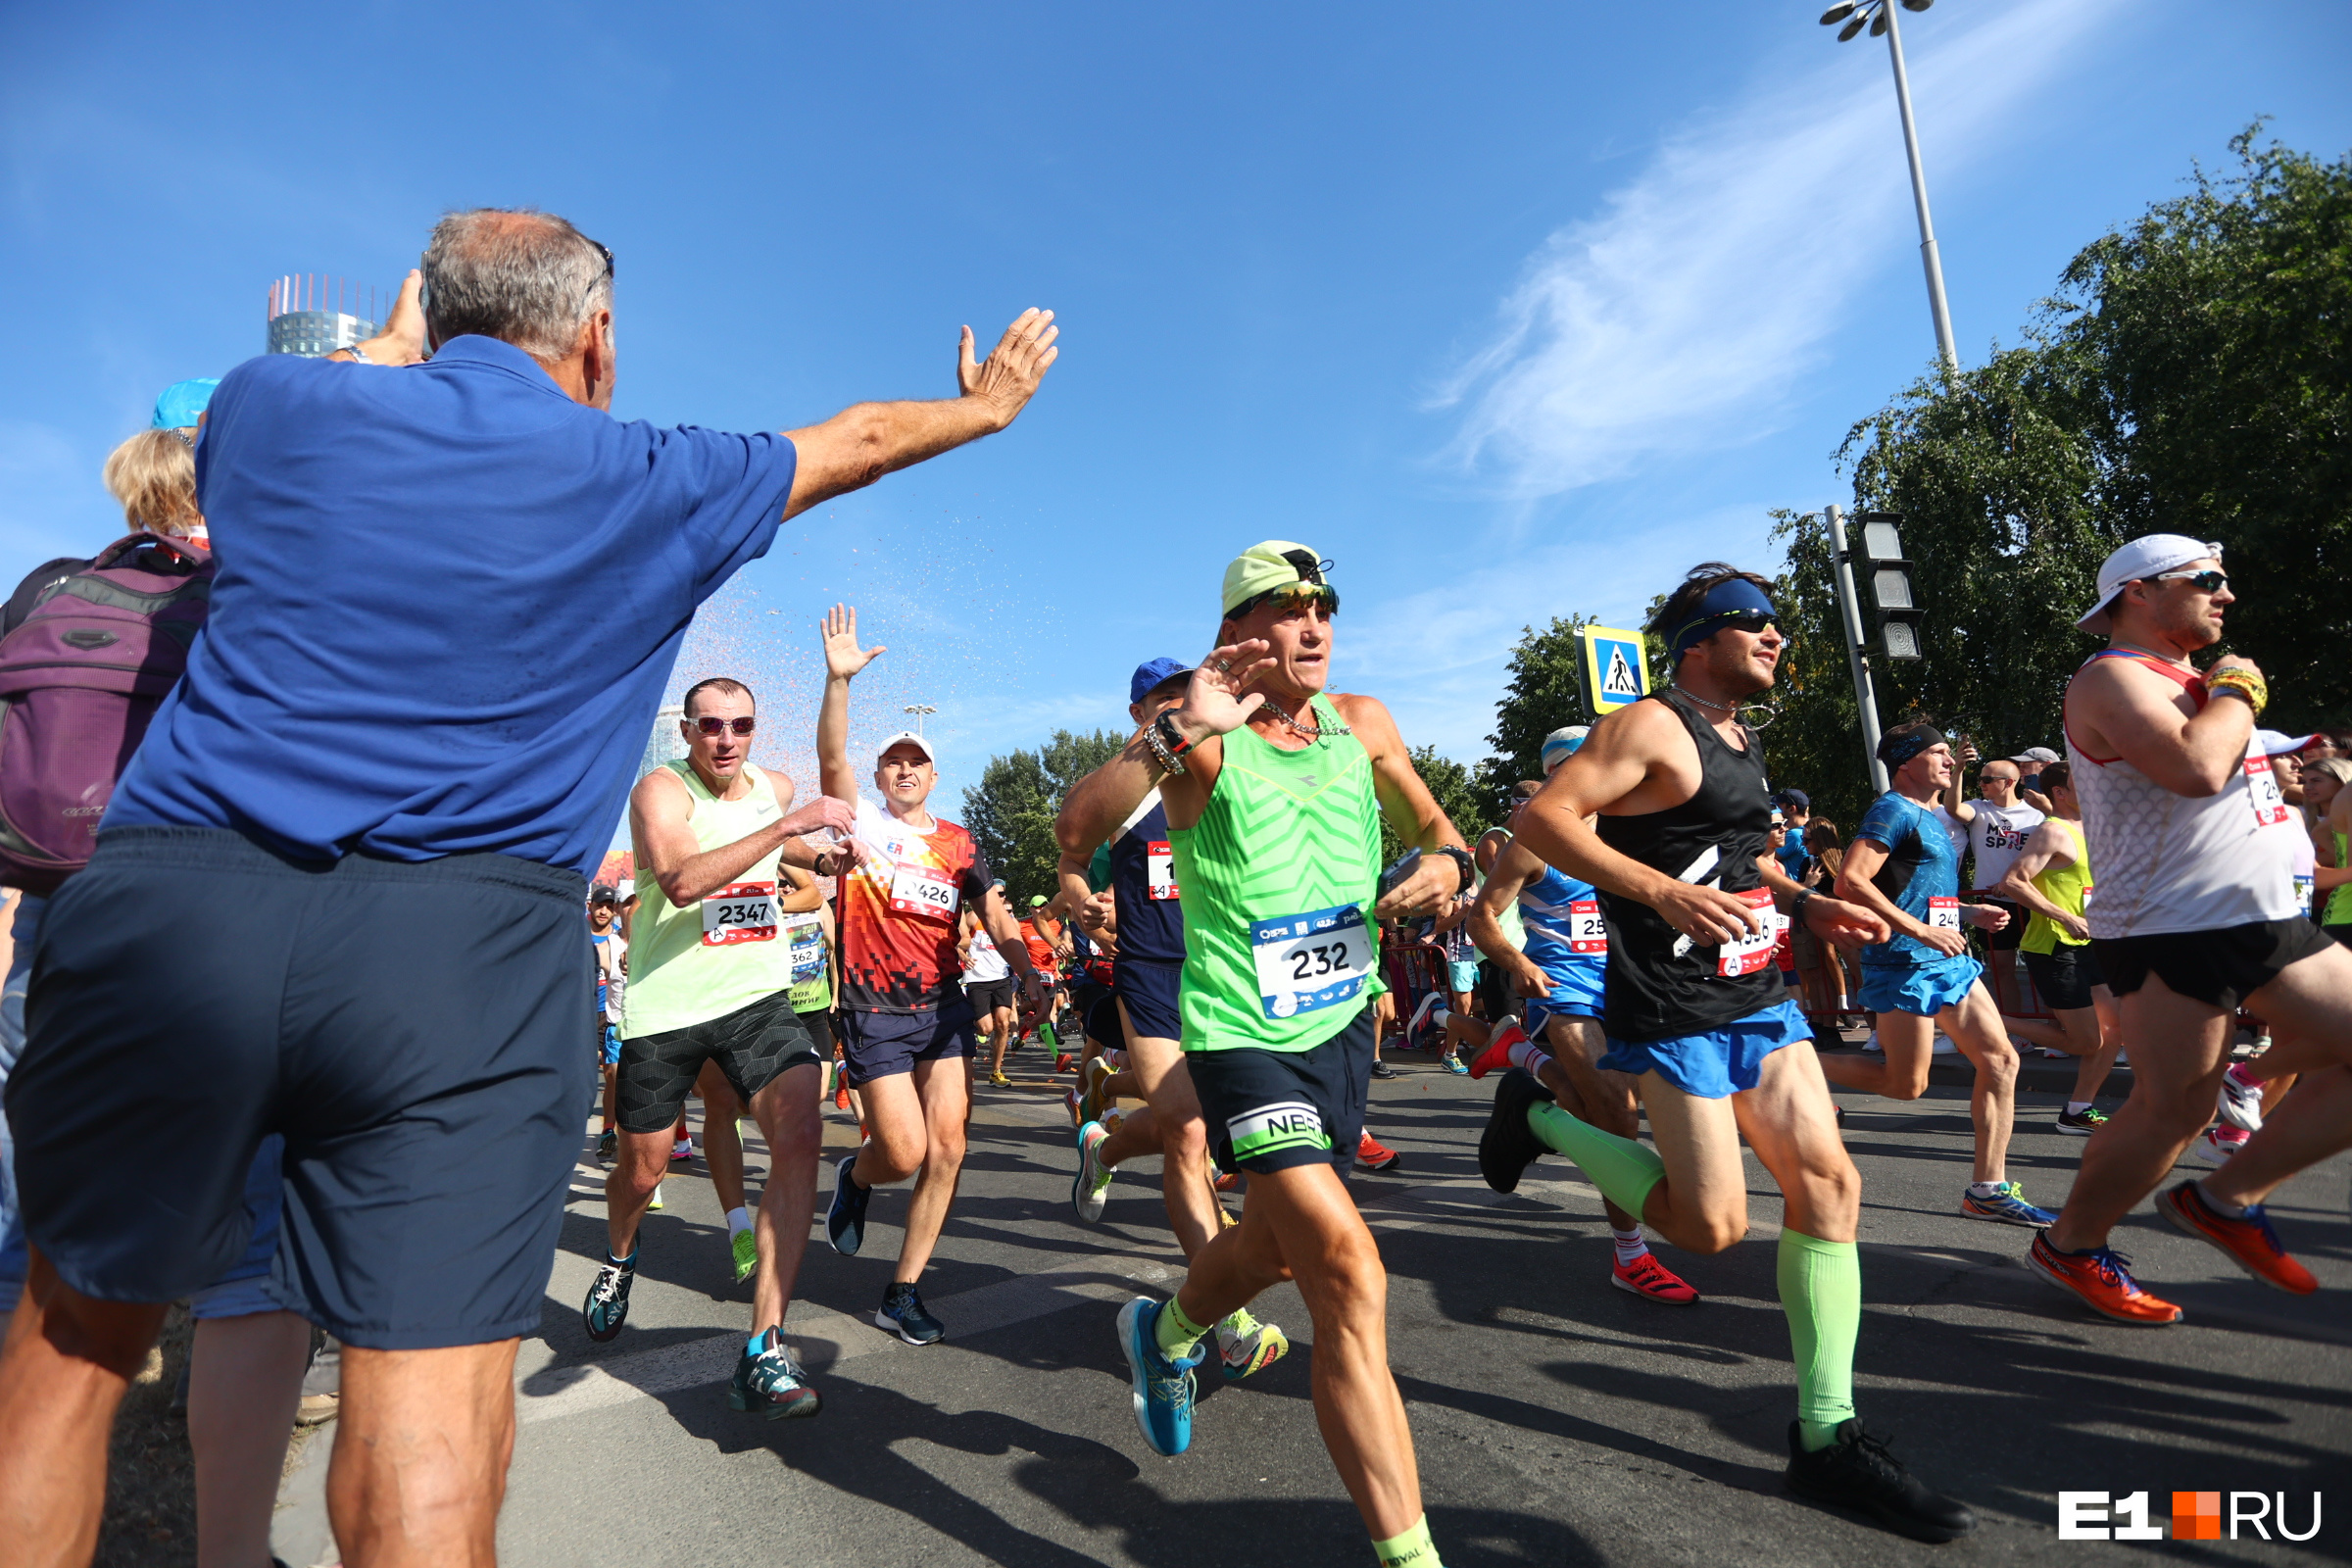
pixel 1143 873
pixel 1652 994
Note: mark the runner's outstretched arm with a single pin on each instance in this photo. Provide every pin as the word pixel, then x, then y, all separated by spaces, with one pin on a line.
pixel 867 440
pixel 1514 868
pixel 844 658
pixel 659 811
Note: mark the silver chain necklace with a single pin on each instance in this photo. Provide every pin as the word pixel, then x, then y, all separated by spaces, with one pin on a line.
pixel 1315 734
pixel 1765 712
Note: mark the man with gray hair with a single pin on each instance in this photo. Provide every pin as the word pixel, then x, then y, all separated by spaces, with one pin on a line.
pixel 387 775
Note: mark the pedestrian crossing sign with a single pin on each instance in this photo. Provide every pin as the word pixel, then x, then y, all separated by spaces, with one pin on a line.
pixel 1614 672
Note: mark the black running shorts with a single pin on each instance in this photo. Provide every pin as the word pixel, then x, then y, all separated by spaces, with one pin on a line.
pixel 411 1029
pixel 2220 969
pixel 987 995
pixel 754 1045
pixel 2064 975
pixel 1268 1110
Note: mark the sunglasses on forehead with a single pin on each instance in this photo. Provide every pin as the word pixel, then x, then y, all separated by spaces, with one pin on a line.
pixel 1291 598
pixel 720 726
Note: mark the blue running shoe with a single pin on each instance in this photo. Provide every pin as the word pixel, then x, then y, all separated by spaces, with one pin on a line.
pixel 1164 1389
pixel 2008 1206
pixel 769 1382
pixel 608 1305
pixel 844 1221
pixel 903 1315
pixel 1454 1064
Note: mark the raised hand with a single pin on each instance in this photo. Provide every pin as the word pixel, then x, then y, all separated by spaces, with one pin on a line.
pixel 843 657
pixel 1214 704
pixel 1008 379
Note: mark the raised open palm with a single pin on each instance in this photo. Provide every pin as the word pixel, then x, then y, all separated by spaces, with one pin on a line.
pixel 1213 703
pixel 843 657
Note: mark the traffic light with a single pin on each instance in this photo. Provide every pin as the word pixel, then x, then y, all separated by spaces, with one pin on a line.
pixel 1890 588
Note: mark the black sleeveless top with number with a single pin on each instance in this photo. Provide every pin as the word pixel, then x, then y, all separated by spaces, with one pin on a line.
pixel 1654 992
pixel 1143 873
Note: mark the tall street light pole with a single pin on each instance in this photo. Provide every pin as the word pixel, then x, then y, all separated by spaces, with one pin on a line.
pixel 918 710
pixel 1879 17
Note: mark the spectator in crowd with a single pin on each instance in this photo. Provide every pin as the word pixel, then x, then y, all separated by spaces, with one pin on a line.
pixel 1837 975
pixel 400 786
pixel 1797 812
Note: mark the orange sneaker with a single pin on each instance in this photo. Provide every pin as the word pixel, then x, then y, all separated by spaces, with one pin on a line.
pixel 1497 1054
pixel 2250 1242
pixel 1372 1155
pixel 1228 1180
pixel 1655 1281
pixel 2102 1278
pixel 841 1094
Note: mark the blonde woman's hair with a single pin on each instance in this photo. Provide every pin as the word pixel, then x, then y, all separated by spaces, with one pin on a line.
pixel 2335 767
pixel 154 475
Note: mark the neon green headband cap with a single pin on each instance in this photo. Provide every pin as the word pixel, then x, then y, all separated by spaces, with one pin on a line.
pixel 1262 566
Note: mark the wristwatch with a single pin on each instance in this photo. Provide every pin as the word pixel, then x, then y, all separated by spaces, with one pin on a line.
pixel 1461 859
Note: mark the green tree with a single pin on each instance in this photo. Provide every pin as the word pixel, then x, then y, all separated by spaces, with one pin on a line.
pixel 1540 697
pixel 1011 811
pixel 1455 790
pixel 2194 375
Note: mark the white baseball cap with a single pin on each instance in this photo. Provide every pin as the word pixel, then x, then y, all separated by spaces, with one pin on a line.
pixel 908 737
pixel 2141 559
pixel 2274 744
pixel 1562 743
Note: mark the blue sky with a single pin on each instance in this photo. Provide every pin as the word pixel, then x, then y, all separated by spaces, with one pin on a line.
pixel 1510 309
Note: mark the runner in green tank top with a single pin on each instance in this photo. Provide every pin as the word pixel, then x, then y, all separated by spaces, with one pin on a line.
pixel 712 984
pixel 1273 794
pixel 2051 880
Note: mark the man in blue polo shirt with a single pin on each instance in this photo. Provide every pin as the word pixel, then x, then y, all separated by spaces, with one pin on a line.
pixel 391 756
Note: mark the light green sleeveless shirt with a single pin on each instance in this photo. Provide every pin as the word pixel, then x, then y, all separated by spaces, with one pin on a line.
pixel 2068 886
pixel 1277 880
pixel 721 953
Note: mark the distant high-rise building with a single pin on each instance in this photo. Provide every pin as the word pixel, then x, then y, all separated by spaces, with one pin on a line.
pixel 313 315
pixel 665 744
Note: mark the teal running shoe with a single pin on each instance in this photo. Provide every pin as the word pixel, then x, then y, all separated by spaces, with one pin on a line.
pixel 1164 1389
pixel 608 1305
pixel 768 1382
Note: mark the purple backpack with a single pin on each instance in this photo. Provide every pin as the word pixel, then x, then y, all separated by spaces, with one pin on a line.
pixel 79 678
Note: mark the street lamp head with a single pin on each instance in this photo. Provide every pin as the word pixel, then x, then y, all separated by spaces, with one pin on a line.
pixel 1880 24
pixel 1837 13
pixel 1917 5
pixel 1852 28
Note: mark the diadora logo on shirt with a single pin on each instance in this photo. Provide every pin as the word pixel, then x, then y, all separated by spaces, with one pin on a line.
pixel 2196 1516
pixel 1283 1125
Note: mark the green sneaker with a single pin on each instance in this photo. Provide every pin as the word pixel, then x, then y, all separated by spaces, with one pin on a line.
pixel 747 1254
pixel 1091 1188
pixel 1246 1345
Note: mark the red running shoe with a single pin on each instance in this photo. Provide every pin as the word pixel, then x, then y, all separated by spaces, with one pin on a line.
pixel 1372 1155
pixel 1065 1062
pixel 1497 1054
pixel 841 1093
pixel 1655 1281
pixel 1230 1181
pixel 2250 1242
pixel 2102 1278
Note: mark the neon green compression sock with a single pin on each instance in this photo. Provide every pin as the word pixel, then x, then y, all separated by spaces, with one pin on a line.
pixel 1624 1170
pixel 1411 1549
pixel 1176 1333
pixel 1821 1291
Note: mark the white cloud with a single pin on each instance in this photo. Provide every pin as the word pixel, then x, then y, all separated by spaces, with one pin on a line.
pixel 1673 318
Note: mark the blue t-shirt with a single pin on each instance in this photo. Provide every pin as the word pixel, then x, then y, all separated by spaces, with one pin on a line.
pixel 1921 864
pixel 448 601
pixel 1792 856
pixel 1548 909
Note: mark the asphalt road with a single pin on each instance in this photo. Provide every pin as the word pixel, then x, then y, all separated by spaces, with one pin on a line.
pixel 1557 1420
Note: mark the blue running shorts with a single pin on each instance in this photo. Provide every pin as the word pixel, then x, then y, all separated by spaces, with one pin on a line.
pixel 1719 1064
pixel 1462 975
pixel 883 1045
pixel 1576 992
pixel 1924 989
pixel 1150 990
pixel 430 1128
pixel 244 1290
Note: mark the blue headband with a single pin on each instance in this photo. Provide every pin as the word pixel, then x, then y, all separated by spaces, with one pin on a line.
pixel 1902 745
pixel 1734 596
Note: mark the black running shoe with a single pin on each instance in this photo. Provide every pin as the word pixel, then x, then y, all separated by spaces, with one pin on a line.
pixel 844 1221
pixel 1858 1472
pixel 1509 1145
pixel 608 1305
pixel 1380 1069
pixel 903 1315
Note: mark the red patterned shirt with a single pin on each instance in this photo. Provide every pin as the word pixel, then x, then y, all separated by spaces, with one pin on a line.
pixel 897 914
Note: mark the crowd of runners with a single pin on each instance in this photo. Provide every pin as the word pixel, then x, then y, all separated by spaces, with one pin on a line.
pixel 1658 939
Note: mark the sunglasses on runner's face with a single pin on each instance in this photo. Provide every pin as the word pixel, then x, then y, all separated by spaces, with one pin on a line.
pixel 719 726
pixel 2211 582
pixel 1747 621
pixel 1293 598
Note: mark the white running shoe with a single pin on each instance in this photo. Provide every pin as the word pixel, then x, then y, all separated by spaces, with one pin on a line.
pixel 2216 1144
pixel 1421 1013
pixel 2240 1103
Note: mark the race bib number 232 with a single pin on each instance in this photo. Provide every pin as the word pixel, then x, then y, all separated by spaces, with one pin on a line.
pixel 1310 960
